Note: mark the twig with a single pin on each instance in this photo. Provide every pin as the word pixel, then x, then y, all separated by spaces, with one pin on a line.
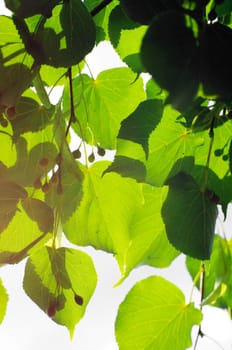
pixel 202 292
pixel 100 7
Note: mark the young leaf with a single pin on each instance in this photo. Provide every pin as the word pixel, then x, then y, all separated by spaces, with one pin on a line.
pixel 53 279
pixel 4 301
pixel 152 316
pixel 189 216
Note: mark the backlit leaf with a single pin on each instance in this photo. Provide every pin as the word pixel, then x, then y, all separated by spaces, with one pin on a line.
pixel 3 301
pixel 40 212
pixel 152 316
pixel 111 97
pixel 55 277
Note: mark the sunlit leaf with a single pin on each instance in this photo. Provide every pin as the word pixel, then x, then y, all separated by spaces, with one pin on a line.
pixel 111 97
pixel 193 232
pixel 170 141
pixel 153 314
pixel 61 282
pixel 3 301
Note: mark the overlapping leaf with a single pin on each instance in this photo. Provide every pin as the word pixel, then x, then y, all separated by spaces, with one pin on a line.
pixel 169 142
pixel 153 314
pixel 193 232
pixel 61 282
pixel 110 98
pixel 130 225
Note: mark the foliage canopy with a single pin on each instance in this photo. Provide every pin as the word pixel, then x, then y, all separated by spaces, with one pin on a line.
pixel 160 194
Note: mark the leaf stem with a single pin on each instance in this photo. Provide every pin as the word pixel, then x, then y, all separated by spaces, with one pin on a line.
pixel 41 91
pixel 202 292
pixel 100 7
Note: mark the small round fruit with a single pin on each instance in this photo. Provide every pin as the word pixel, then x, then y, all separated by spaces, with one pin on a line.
pixel 51 311
pixel 77 154
pixel 46 187
pixel 37 183
pixel 91 158
pixel 4 122
pixel 218 152
pixel 44 162
pixel 101 151
pixel 78 299
pixel 10 112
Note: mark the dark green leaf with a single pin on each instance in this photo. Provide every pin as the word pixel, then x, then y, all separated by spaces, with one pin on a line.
pixel 169 53
pixel 128 167
pixel 138 126
pixel 193 232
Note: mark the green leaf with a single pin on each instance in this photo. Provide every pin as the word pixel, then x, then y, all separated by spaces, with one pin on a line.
pixel 3 301
pixel 27 8
pixel 193 232
pixel 30 116
pixel 169 142
pixel 101 222
pixel 128 167
pixel 170 54
pixel 21 237
pixel 79 31
pixel 138 126
pixel 61 282
pixel 217 269
pixel 148 241
pixel 14 80
pixel 110 98
pixel 152 316
pixel 28 168
pixel 40 212
pixel 130 225
pixel 12 48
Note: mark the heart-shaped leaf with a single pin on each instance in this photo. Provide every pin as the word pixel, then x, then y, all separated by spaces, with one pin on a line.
pixel 152 316
pixel 189 214
pixel 61 282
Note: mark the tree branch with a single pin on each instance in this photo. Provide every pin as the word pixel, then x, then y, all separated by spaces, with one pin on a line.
pixel 100 7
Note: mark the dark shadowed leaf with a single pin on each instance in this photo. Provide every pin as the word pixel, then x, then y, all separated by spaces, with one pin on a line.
pixel 128 167
pixel 40 212
pixel 138 126
pixel 189 216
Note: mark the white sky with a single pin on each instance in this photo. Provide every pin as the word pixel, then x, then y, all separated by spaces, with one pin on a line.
pixel 26 327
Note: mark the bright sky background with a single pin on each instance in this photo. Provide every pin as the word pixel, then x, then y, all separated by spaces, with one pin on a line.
pixel 26 327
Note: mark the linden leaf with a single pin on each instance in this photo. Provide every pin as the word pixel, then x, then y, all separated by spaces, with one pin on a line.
pixel 153 314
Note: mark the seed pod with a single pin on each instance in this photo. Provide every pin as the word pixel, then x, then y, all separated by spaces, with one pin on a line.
pixel 43 163
pixel 101 151
pixel 77 154
pixel 37 183
pixel 78 299
pixel 91 158
pixel 46 187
